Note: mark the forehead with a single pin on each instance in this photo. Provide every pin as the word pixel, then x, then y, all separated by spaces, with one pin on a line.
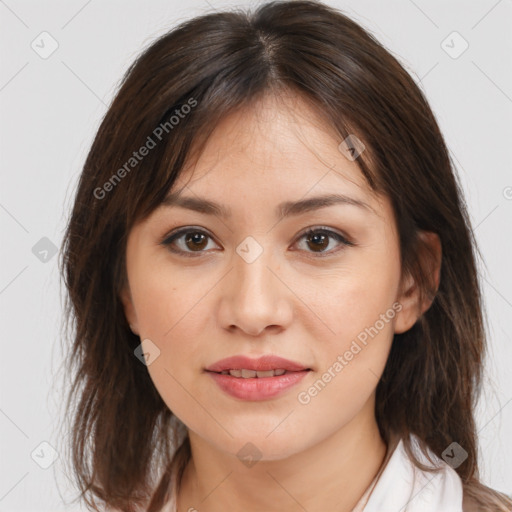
pixel 277 145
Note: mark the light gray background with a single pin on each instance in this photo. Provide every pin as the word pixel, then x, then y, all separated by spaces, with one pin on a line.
pixel 51 108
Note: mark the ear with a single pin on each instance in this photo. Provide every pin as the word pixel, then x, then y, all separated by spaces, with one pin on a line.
pixel 414 303
pixel 129 309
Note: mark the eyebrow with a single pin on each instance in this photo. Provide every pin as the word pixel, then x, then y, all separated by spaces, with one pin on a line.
pixel 285 209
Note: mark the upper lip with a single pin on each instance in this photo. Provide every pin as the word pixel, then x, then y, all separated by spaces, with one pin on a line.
pixel 263 363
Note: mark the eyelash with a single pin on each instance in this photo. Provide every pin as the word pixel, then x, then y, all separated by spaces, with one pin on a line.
pixel 170 238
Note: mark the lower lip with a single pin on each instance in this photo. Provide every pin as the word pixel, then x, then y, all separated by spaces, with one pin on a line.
pixel 257 388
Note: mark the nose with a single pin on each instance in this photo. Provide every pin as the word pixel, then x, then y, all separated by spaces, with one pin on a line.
pixel 254 297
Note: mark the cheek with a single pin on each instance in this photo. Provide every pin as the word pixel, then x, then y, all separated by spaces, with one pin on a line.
pixel 165 298
pixel 351 361
pixel 171 311
pixel 356 305
pixel 173 318
pixel 354 298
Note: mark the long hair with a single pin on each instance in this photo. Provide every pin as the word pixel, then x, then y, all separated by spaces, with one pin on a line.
pixel 124 441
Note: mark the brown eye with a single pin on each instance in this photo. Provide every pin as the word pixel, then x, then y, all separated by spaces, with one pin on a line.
pixel 318 240
pixel 187 241
pixel 195 241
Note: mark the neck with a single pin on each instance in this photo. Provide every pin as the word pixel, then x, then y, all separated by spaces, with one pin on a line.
pixel 331 475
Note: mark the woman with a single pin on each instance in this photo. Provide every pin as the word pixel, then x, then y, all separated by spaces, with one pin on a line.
pixel 272 279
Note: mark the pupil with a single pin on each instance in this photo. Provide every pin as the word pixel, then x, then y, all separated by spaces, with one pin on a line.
pixel 315 240
pixel 196 240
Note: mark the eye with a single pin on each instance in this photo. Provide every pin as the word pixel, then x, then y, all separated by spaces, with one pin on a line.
pixel 319 240
pixel 193 240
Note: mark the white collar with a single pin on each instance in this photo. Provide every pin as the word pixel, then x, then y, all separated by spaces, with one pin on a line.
pixel 402 487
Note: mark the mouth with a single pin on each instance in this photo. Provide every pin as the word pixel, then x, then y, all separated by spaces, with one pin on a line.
pixel 264 378
pixel 243 373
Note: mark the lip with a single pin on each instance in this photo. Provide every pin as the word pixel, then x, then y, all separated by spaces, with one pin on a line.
pixel 257 388
pixel 266 362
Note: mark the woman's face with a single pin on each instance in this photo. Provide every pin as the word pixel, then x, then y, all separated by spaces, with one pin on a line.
pixel 253 283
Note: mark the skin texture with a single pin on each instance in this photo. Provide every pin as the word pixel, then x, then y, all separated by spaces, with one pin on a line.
pixel 290 301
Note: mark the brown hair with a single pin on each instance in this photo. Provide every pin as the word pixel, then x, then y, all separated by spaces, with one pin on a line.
pixel 123 437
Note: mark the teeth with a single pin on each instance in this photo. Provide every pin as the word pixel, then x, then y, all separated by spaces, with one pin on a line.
pixel 249 374
pixel 268 373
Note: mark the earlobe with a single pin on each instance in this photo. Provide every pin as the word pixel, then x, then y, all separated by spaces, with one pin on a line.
pixel 414 303
pixel 129 310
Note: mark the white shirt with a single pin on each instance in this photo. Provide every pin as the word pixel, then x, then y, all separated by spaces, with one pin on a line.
pixel 402 487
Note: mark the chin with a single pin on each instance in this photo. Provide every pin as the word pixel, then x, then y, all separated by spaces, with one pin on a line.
pixel 253 445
